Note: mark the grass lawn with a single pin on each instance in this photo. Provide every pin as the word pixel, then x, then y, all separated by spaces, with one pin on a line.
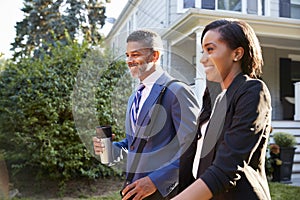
pixel 278 191
pixel 281 191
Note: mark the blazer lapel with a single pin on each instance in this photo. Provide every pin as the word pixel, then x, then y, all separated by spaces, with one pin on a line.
pixel 223 104
pixel 213 133
pixel 144 116
pixel 150 101
pixel 214 130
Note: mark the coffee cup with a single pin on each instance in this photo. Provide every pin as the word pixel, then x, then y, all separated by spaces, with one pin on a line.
pixel 104 133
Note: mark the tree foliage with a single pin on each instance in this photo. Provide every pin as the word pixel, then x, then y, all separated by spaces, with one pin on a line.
pixel 46 22
pixel 2 62
pixel 37 126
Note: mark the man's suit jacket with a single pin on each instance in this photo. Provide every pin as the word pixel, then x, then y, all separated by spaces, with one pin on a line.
pixel 234 168
pixel 173 131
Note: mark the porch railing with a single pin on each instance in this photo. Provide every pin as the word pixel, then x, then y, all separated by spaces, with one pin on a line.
pixel 297 101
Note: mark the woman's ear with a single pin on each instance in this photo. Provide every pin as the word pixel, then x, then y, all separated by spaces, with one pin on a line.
pixel 238 54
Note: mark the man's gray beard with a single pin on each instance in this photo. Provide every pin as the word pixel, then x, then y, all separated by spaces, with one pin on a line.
pixel 146 67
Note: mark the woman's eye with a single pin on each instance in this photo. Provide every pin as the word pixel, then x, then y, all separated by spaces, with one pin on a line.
pixel 209 49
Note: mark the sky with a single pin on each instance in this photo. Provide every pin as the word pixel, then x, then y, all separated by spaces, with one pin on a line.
pixel 10 14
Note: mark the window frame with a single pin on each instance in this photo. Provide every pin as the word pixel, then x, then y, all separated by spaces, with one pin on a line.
pixel 294 5
pixel 198 4
pixel 180 6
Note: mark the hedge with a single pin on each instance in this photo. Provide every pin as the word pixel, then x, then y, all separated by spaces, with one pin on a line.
pixel 42 123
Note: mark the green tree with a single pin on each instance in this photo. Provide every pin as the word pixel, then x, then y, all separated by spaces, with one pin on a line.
pixel 2 62
pixel 46 22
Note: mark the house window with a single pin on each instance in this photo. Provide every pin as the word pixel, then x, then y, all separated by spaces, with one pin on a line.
pixel 289 8
pixel 208 4
pixel 256 7
pixel 183 5
pixel 295 9
pixel 233 5
pixel 189 4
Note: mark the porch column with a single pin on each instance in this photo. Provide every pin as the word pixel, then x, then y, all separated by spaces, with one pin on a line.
pixel 297 101
pixel 200 80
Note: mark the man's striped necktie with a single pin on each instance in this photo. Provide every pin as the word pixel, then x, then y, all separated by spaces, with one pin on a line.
pixel 136 102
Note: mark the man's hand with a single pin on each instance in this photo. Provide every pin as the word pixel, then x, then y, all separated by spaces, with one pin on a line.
pixel 98 145
pixel 140 189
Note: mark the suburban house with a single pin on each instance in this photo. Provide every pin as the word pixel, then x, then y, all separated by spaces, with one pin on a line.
pixel 181 22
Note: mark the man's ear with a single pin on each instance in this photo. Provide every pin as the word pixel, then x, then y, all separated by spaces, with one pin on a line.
pixel 155 56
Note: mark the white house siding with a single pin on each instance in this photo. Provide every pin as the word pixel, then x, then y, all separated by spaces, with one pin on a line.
pixel 151 14
pixel 173 15
pixel 118 43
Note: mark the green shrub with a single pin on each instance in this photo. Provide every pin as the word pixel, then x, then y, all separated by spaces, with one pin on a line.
pixel 37 127
pixel 284 139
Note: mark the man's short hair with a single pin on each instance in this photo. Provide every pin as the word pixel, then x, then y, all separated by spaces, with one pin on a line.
pixel 151 39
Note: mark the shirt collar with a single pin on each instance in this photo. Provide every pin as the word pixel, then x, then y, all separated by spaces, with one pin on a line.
pixel 152 78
